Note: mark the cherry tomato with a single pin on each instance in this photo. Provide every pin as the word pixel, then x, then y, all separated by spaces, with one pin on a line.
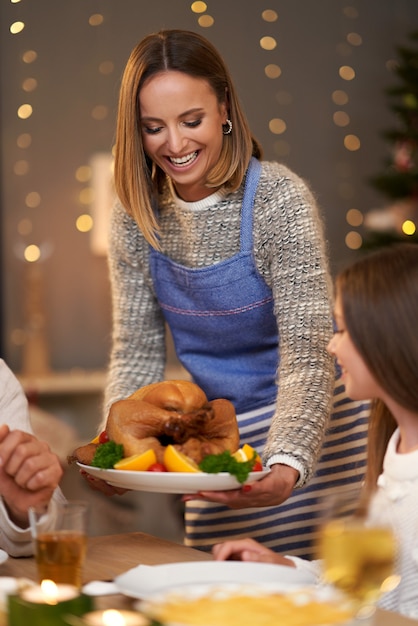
pixel 103 438
pixel 157 467
pixel 257 467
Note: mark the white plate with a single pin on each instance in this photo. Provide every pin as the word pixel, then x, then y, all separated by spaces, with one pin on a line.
pixel 170 482
pixel 145 580
pixel 3 556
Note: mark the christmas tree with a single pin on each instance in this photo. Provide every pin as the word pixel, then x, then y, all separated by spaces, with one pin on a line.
pixel 399 180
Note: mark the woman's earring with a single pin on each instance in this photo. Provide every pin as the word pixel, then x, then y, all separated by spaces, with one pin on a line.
pixel 227 127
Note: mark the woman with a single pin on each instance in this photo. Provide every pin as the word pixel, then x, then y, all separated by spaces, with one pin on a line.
pixel 229 252
pixel 376 312
pixel 29 471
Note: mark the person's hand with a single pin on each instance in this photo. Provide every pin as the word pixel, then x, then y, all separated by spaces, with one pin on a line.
pixel 271 490
pixel 29 473
pixel 248 550
pixel 97 484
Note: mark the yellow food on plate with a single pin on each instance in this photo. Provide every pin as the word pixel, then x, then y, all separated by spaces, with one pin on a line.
pixel 137 462
pixel 176 461
pixel 298 608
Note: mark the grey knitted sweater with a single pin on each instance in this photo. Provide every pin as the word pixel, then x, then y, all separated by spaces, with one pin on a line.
pixel 290 254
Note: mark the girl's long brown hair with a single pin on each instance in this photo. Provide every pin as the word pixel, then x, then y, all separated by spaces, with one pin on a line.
pixel 379 296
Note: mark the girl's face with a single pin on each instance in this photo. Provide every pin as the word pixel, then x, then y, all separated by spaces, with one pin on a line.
pixel 181 121
pixel 359 382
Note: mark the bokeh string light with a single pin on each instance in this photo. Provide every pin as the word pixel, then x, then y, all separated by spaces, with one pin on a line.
pixel 30 252
pixel 302 79
pixel 205 18
pixel 342 119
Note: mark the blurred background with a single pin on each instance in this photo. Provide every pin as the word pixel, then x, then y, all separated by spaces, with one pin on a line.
pixel 313 77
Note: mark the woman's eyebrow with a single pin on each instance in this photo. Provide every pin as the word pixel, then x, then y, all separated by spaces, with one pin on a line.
pixel 150 118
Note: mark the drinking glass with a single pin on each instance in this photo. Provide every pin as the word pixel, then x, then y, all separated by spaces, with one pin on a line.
pixel 60 541
pixel 358 556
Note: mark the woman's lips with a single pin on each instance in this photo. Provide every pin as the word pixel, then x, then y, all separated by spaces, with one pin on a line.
pixel 184 160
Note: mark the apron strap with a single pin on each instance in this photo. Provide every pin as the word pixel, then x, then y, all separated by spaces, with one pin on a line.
pixel 251 181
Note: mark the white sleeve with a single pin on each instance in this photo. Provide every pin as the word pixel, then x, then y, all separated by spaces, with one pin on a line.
pixel 310 567
pixel 17 541
pixel 14 412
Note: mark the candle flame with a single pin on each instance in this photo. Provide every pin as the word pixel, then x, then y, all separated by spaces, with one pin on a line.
pixel 111 617
pixel 50 591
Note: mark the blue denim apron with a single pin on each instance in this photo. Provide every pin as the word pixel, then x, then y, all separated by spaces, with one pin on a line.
pixel 225 335
pixel 221 318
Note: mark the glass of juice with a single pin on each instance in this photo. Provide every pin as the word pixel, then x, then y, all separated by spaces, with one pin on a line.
pixel 60 539
pixel 358 554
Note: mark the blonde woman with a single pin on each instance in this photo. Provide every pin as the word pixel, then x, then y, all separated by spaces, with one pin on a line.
pixel 228 251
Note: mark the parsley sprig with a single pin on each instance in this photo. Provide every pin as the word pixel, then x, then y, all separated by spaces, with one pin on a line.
pixel 107 454
pixel 225 462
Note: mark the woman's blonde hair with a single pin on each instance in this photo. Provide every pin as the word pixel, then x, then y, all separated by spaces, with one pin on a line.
pixel 379 297
pixel 137 180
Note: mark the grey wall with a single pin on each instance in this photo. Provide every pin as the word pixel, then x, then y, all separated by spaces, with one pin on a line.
pixel 312 45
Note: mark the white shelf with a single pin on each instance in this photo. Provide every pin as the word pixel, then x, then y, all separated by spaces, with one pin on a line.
pixel 78 381
pixel 75 381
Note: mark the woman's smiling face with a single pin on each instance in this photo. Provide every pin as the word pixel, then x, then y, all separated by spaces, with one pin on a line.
pixel 181 121
pixel 358 380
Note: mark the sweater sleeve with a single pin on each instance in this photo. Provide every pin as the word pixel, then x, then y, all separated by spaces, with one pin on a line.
pixel 291 254
pixel 138 343
pixel 14 412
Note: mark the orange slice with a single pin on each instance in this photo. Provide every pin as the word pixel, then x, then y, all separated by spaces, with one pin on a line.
pixel 176 461
pixel 249 453
pixel 240 455
pixel 137 462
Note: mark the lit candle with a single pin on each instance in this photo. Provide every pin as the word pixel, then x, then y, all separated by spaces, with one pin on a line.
pixel 111 617
pixel 49 592
pixel 47 604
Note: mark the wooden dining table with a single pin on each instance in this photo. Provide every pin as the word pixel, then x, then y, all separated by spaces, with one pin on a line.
pixel 110 555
